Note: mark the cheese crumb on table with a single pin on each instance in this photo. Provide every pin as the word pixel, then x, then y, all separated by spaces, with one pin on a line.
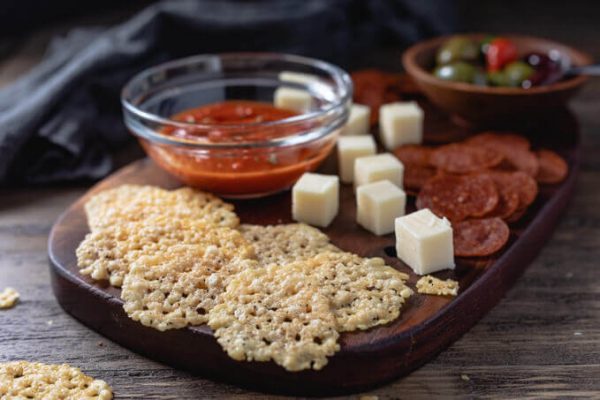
pixel 378 205
pixel 431 285
pixel 378 168
pixel 358 121
pixel 349 149
pixel 315 199
pixel 400 123
pixel 8 298
pixel 424 242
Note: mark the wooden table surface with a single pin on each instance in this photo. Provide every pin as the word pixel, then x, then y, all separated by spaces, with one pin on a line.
pixel 541 341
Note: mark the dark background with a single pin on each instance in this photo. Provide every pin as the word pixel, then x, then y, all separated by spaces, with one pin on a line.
pixel 574 22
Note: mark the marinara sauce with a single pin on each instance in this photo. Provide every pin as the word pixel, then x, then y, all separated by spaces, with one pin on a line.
pixel 239 172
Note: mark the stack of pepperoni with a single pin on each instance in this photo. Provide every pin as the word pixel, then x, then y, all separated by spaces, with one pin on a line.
pixel 480 185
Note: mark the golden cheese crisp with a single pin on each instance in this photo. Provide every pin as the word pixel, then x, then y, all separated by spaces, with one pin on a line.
pixel 178 286
pixel 364 292
pixel 282 244
pixel 8 298
pixel 137 203
pixel 28 380
pixel 275 313
pixel 108 251
pixel 431 285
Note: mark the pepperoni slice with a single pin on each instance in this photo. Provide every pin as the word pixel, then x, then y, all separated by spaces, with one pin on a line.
pixel 417 169
pixel 459 158
pixel 458 197
pixel 516 216
pixel 415 176
pixel 508 200
pixel 514 148
pixel 479 237
pixel 523 160
pixel 553 168
pixel 518 182
pixel 503 139
pixel 414 154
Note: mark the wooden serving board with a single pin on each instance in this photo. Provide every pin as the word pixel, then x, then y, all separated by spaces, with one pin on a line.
pixel 426 326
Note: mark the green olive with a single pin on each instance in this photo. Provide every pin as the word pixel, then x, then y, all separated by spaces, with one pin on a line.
pixel 456 72
pixel 497 78
pixel 516 72
pixel 458 48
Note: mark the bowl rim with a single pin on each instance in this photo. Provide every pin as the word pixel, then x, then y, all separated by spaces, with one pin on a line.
pixel 421 74
pixel 339 76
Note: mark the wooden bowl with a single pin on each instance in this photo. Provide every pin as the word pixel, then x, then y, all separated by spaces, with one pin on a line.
pixel 493 107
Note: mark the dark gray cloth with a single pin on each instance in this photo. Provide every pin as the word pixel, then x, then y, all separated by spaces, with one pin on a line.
pixel 62 121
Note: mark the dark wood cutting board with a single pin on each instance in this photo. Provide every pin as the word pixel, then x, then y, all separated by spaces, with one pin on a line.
pixel 426 326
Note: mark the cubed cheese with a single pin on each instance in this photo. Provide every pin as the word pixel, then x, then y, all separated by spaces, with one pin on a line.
pixel 378 205
pixel 358 120
pixel 349 149
pixel 400 123
pixel 377 168
pixel 424 242
pixel 292 99
pixel 298 77
pixel 315 199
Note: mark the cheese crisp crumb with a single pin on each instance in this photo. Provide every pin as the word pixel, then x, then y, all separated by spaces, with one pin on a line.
pixel 432 285
pixel 8 298
pixel 25 380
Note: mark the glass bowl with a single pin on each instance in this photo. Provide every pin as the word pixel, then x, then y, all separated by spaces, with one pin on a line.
pixel 248 159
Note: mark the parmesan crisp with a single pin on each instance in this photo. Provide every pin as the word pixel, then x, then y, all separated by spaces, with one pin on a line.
pixel 275 313
pixel 282 244
pixel 108 251
pixel 32 380
pixel 178 287
pixel 138 203
pixel 363 292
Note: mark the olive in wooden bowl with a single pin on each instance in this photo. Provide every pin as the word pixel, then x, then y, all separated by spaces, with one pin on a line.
pixel 471 95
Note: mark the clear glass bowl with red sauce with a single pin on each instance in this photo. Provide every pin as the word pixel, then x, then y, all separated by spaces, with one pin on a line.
pixel 209 120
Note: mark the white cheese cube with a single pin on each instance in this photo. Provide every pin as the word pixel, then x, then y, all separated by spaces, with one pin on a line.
pixel 292 99
pixel 378 206
pixel 377 168
pixel 424 242
pixel 298 77
pixel 400 123
pixel 358 120
pixel 349 149
pixel 315 199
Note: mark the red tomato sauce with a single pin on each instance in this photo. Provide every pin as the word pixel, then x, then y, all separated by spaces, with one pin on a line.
pixel 239 172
